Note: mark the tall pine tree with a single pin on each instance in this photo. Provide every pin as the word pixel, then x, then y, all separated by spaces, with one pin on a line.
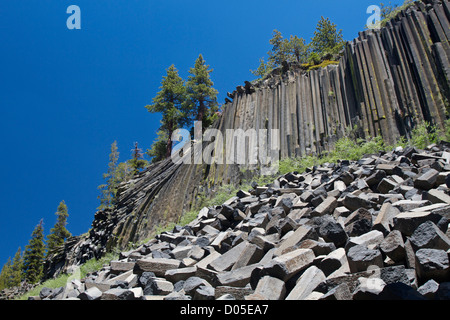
pixel 158 150
pixel 327 39
pixel 59 233
pixel 137 161
pixel 280 49
pixel 299 49
pixel 5 275
pixel 109 189
pixel 169 103
pixel 201 103
pixel 33 257
pixel 17 269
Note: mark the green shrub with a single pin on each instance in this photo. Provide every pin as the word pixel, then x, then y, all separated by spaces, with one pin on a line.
pixel 61 281
pixel 447 130
pixel 345 149
pixel 314 58
pixel 322 64
pixel 425 134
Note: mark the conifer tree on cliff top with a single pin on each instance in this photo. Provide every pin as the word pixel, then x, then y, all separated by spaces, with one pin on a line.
pixel 327 39
pixel 33 257
pixel 6 275
pixel 59 233
pixel 17 269
pixel 201 104
pixel 169 102
pixel 109 189
pixel 137 161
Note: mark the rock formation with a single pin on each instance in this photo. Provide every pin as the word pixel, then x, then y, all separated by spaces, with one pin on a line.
pixel 377 228
pixel 387 82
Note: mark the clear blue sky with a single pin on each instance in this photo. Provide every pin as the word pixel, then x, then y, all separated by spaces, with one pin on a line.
pixel 66 95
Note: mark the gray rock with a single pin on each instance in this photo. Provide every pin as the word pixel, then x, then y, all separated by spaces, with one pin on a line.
pixel 118 294
pixel 158 286
pixel 250 255
pixel 226 261
pixel 159 266
pixel 358 223
pixel 118 267
pixel 233 292
pixel 226 296
pixel 289 264
pixel 145 277
pixel 428 235
pixel 437 196
pixel 191 284
pixel 429 289
pixel 432 264
pixel 353 203
pixel 385 218
pixel 271 288
pixel 368 289
pixel 45 292
pixel 319 248
pixel 332 231
pixel 204 293
pixel 326 207
pixel 236 277
pixel 409 205
pixel 386 185
pixel 407 222
pixel 340 292
pixel 427 180
pixel 360 258
pixel 306 284
pixel 175 275
pixel 176 296
pixel 291 243
pixel 369 239
pixel 333 261
pixel 393 246
pixel 91 294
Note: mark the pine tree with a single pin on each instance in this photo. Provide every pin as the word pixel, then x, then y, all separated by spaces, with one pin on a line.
pixel 327 39
pixel 59 233
pixel 137 161
pixel 201 104
pixel 124 172
pixel 280 49
pixel 169 103
pixel 33 257
pixel 17 269
pixel 299 49
pixel 109 189
pixel 158 150
pixel 263 69
pixel 5 275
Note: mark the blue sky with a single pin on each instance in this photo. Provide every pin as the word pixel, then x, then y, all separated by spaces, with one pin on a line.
pixel 66 95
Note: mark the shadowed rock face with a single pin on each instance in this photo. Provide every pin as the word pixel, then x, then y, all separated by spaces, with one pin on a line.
pixel 386 82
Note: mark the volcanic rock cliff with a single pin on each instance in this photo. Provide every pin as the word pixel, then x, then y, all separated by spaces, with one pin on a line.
pixel 387 82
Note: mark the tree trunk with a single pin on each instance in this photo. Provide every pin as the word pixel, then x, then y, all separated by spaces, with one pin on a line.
pixel 169 140
pixel 201 110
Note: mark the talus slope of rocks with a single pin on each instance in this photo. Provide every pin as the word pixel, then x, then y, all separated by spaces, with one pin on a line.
pixel 373 229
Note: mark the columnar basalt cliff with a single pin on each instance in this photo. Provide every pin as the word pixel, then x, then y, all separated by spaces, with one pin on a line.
pixel 387 82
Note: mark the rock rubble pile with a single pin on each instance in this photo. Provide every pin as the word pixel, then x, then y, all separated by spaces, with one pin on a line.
pixel 376 228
